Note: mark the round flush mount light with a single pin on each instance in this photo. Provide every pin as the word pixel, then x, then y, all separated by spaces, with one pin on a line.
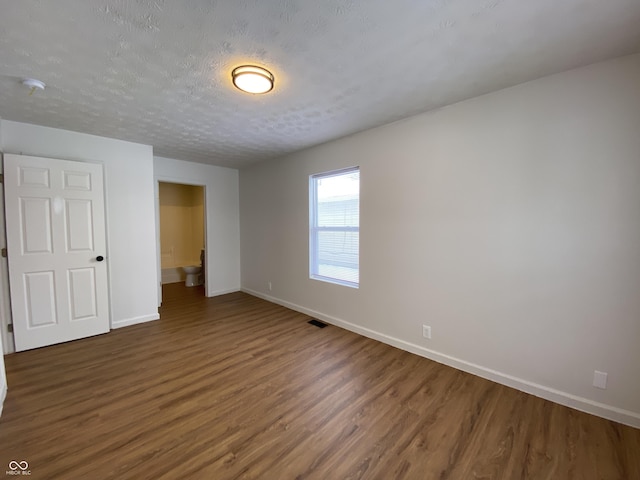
pixel 251 79
pixel 33 84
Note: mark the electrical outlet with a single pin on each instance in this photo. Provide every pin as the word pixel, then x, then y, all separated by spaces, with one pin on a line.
pixel 426 331
pixel 600 379
pixel 269 285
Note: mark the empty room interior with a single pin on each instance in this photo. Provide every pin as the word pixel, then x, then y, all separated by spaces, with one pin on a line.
pixel 289 239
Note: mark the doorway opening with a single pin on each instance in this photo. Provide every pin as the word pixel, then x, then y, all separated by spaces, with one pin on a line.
pixel 182 235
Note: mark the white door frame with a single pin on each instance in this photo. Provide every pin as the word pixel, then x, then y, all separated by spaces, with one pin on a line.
pixel 180 181
pixel 5 304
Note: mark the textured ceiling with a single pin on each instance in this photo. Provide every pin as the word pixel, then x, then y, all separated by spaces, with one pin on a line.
pixel 158 72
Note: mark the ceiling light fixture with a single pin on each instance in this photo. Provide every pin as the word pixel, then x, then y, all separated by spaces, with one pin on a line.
pixel 32 83
pixel 251 79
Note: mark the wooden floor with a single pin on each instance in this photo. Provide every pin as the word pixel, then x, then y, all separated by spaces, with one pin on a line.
pixel 235 387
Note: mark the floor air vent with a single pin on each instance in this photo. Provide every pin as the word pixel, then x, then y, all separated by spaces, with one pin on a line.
pixel 317 323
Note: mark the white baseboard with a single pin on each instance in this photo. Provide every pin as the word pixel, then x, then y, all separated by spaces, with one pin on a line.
pixel 135 320
pixel 3 395
pixel 217 293
pixel 609 412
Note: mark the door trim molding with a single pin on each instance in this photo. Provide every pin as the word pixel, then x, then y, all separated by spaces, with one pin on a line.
pixel 183 181
pixel 5 310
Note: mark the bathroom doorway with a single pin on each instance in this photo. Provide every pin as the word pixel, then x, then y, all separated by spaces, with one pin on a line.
pixel 182 234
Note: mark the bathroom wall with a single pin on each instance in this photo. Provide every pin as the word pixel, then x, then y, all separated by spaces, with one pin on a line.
pixel 181 224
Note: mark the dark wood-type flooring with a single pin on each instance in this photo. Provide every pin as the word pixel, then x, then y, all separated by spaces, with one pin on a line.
pixel 234 387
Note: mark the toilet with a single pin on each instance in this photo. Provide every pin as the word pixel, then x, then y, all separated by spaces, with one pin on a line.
pixel 193 275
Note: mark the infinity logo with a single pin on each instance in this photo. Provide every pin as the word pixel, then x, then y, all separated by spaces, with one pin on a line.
pixel 13 465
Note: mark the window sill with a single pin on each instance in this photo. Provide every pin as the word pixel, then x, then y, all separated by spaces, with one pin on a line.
pixel 335 281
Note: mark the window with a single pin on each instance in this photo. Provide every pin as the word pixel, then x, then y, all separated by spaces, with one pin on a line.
pixel 334 227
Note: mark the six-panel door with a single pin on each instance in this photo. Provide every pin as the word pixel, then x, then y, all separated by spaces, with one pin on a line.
pixel 55 240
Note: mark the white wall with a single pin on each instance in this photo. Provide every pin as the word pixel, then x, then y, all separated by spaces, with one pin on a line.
pixel 509 223
pixel 222 249
pixel 3 310
pixel 129 191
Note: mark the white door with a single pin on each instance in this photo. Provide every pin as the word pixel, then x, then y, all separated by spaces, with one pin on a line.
pixel 56 247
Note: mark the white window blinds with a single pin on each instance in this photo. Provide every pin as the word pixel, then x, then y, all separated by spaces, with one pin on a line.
pixel 334 233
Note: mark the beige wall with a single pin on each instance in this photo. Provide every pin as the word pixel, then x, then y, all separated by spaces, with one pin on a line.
pixel 509 223
pixel 181 224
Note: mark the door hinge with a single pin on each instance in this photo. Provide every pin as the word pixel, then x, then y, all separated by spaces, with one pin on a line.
pixel 10 328
pixel 3 252
pixel 1 177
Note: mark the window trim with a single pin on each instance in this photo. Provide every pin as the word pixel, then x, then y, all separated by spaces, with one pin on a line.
pixel 314 229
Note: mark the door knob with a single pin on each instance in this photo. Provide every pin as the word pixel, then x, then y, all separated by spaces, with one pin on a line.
pixel 99 258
